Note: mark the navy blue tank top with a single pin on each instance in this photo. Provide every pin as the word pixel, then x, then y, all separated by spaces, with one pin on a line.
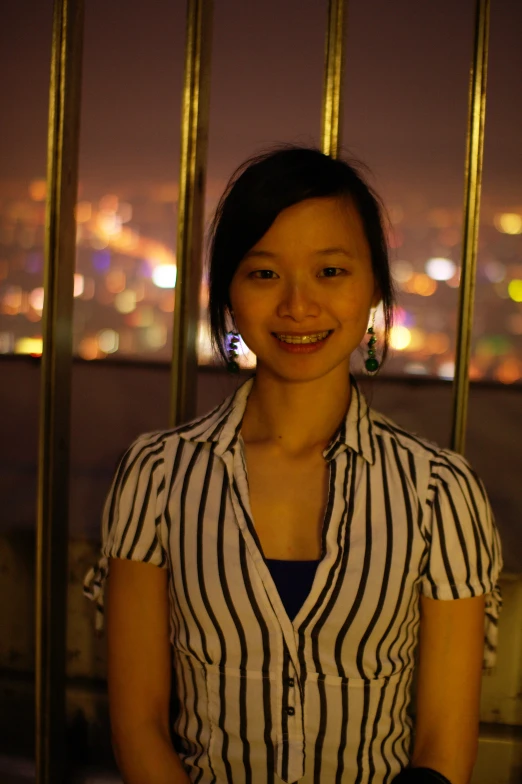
pixel 293 580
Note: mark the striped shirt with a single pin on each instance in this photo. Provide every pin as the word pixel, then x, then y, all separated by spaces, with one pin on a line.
pixel 324 697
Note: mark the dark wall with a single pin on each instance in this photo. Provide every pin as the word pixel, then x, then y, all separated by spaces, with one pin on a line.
pixel 114 402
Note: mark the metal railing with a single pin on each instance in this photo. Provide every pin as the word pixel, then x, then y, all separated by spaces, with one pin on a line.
pixel 62 176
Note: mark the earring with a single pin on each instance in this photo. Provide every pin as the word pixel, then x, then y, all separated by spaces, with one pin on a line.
pixel 372 364
pixel 233 366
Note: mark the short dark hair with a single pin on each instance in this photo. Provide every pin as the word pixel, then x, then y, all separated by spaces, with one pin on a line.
pixel 261 188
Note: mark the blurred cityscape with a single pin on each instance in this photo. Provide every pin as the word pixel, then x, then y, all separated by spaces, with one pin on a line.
pixel 126 273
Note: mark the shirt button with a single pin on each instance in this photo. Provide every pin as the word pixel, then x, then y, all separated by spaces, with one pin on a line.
pixel 290 710
pixel 290 682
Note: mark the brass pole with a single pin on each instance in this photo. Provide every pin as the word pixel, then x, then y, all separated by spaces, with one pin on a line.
pixel 54 431
pixel 191 208
pixel 473 178
pixel 333 79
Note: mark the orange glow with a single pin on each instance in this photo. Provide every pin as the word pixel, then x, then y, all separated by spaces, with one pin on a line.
pixel 12 301
pixel 38 190
pixel 475 373
pixel 509 371
pixel 423 285
pixel 88 348
pixel 109 203
pixel 418 339
pixel 115 281
pixel 83 211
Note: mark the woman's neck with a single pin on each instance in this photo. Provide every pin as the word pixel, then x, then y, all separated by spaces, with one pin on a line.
pixel 294 418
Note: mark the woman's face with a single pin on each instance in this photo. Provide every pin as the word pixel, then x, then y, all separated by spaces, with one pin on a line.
pixel 309 273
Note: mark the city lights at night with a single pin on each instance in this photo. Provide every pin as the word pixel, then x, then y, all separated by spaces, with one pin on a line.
pixel 126 213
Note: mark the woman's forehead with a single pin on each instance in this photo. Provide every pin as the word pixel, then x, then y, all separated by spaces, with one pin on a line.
pixel 321 225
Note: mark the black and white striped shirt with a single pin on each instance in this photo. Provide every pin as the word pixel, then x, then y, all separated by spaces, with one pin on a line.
pixel 325 697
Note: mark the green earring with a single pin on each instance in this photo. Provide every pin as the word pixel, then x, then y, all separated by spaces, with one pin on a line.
pixel 372 364
pixel 233 366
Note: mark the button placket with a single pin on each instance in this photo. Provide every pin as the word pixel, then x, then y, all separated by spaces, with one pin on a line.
pixel 291 696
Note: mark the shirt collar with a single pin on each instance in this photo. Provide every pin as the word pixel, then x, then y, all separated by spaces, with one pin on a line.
pixel 223 424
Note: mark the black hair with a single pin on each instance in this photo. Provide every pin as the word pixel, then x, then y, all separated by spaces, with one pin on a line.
pixel 261 188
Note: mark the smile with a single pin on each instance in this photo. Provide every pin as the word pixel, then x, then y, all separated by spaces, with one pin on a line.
pixel 302 339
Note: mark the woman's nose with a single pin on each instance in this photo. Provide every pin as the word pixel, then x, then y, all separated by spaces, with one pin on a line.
pixel 298 300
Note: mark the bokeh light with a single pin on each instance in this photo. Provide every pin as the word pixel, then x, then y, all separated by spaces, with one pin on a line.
pixel 422 285
pixel 36 299
pixel 416 369
pixel 78 284
pixel 446 370
pixel 38 190
pixel 509 371
pixel 115 281
pixel 164 276
pixel 88 348
pixel 32 346
pixel 440 268
pixel 508 222
pixel 402 271
pixel 125 301
pixel 515 290
pixel 400 338
pixel 108 341
pixel 156 336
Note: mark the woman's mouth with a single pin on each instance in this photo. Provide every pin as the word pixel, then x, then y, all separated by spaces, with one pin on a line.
pixel 302 344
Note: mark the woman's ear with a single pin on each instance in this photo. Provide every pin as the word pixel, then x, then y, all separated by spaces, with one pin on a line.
pixel 376 297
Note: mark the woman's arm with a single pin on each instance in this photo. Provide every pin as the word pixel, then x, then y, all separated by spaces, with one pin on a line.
pixel 448 686
pixel 139 673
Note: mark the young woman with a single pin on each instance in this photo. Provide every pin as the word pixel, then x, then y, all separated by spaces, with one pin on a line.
pixel 293 557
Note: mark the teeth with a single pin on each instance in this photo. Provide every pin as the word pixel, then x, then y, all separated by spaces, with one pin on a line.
pixel 302 339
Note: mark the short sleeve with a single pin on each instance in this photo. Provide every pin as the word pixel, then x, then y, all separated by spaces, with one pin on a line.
pixel 465 557
pixel 132 515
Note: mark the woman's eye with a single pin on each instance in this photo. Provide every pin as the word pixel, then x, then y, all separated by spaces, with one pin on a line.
pixel 333 270
pixel 260 274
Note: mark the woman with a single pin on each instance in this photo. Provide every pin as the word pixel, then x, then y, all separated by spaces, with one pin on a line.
pixel 289 554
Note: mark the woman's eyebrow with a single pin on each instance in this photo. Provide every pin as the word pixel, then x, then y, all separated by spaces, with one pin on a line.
pixel 335 251
pixel 260 254
pixel 267 254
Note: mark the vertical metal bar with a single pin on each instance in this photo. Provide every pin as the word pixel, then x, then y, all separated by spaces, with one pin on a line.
pixel 191 207
pixel 333 79
pixel 53 459
pixel 473 180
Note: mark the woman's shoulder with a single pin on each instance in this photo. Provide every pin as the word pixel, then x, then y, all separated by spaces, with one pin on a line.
pixel 385 427
pixel 167 440
pixel 442 460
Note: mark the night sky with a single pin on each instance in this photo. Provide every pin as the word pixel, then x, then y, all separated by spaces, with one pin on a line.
pixel 407 67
